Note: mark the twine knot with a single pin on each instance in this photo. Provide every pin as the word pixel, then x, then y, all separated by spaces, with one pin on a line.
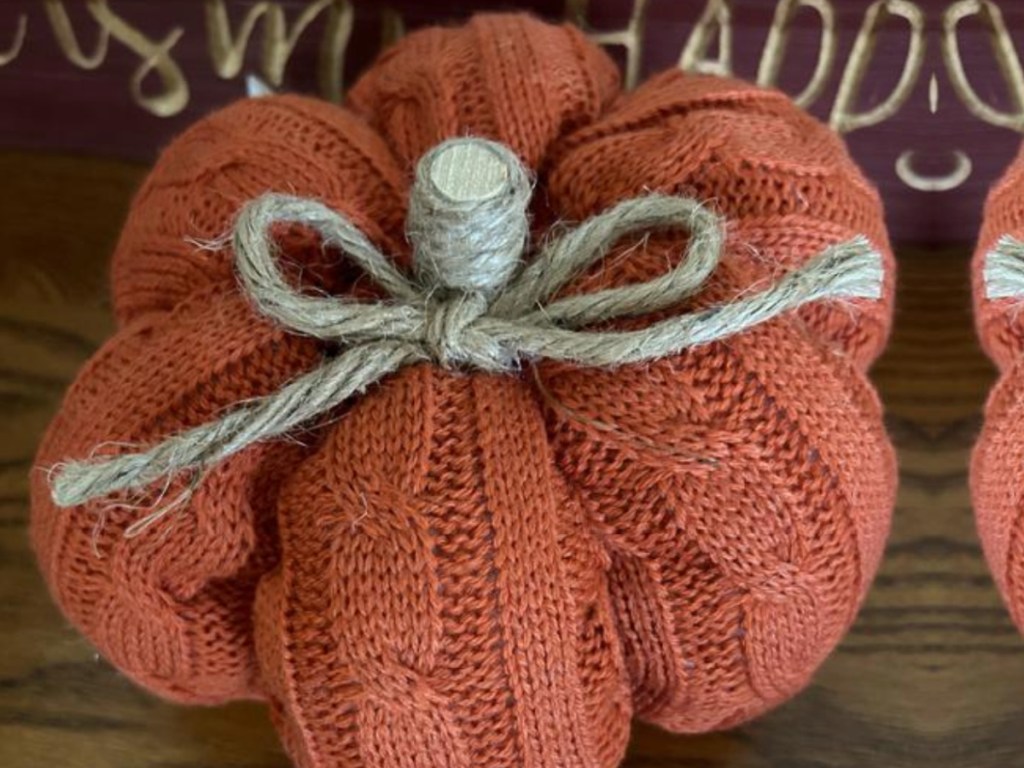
pixel 444 337
pixel 472 303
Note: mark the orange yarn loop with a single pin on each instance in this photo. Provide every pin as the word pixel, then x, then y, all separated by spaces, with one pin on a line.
pixel 474 569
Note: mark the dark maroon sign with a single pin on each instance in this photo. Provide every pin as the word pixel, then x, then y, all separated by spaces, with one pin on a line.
pixel 933 155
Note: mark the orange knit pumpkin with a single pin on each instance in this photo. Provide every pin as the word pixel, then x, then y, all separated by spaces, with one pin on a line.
pixel 999 452
pixel 471 569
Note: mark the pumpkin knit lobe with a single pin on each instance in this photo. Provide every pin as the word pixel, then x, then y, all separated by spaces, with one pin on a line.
pixel 999 452
pixel 462 569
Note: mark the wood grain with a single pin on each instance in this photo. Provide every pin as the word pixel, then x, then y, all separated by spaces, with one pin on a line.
pixel 931 675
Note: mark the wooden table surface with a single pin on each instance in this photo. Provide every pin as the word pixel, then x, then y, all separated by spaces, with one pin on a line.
pixel 931 675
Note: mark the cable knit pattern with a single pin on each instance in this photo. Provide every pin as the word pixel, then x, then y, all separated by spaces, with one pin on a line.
pixel 467 570
pixel 996 479
pixel 764 473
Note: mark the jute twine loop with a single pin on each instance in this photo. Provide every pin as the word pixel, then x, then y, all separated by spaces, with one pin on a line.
pixel 471 304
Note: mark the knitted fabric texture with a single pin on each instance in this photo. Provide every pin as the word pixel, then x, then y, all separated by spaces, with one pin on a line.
pixel 474 569
pixel 996 465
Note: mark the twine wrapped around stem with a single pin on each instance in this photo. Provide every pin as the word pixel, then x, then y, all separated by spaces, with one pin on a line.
pixel 471 304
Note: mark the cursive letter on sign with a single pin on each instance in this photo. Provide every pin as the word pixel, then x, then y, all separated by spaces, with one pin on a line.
pixel 228 54
pixel 717 13
pixel 844 118
pixel 64 32
pixel 961 172
pixel 6 57
pixel 630 37
pixel 1005 54
pixel 778 38
pixel 331 66
pixel 156 57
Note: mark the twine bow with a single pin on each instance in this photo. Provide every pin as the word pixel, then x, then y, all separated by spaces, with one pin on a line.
pixel 471 305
